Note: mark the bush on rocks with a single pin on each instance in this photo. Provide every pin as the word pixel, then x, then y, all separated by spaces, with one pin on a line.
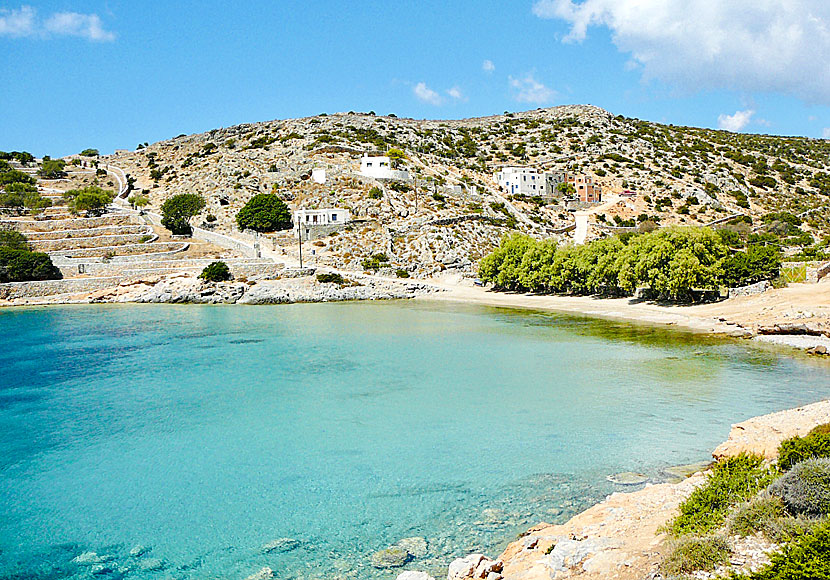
pixel 796 449
pixel 805 489
pixel 216 272
pixel 805 558
pixel 764 513
pixel 693 553
pixel 733 480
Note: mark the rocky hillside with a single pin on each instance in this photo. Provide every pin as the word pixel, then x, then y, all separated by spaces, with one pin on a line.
pixel 680 175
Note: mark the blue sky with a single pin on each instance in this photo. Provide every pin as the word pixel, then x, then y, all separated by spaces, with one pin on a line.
pixel 112 74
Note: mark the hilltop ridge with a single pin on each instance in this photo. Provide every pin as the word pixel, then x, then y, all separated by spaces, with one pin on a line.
pixel 677 175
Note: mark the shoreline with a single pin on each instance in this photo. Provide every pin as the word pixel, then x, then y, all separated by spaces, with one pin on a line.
pixel 620 538
pixel 797 316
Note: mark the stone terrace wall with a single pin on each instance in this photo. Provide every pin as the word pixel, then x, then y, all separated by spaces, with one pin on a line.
pixel 88 233
pixel 48 225
pixel 90 242
pixel 11 290
pixel 122 253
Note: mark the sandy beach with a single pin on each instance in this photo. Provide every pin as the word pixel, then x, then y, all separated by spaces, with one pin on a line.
pixel 801 307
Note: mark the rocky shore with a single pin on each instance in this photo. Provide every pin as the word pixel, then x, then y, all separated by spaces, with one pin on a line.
pixel 620 538
pixel 187 289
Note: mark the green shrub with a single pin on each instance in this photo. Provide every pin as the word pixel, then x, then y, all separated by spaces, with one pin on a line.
pixel 805 558
pixel 764 513
pixel 695 553
pixel 375 262
pixel 23 266
pixel 805 489
pixel 331 278
pixel 13 240
pixel 401 273
pixel 216 272
pixel 797 449
pixel 92 200
pixel 264 212
pixel 177 211
pixel 375 193
pixel 823 429
pixel 732 480
pixel 52 168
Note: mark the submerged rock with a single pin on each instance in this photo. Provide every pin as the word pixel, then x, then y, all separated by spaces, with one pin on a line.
pixel 393 557
pixel 152 564
pixel 101 569
pixel 139 550
pixel 281 545
pixel 416 546
pixel 678 473
pixel 264 574
pixel 628 478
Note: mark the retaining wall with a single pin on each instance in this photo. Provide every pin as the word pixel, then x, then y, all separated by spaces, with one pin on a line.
pixel 82 243
pixel 129 252
pixel 89 233
pixel 48 225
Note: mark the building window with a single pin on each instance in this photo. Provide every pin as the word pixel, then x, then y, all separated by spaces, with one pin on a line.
pixel 368 164
pixel 334 217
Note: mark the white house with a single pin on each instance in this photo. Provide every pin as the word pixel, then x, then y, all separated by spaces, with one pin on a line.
pixel 381 168
pixel 318 175
pixel 524 181
pixel 321 217
pixel 311 224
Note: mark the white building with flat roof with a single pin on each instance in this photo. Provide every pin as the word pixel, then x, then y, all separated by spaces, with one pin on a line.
pixel 321 217
pixel 523 181
pixel 380 167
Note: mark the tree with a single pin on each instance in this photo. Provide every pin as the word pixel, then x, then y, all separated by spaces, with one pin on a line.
pixel 139 201
pixel 18 195
pixel 264 212
pixel 90 153
pixel 216 272
pixel 23 265
pixel 566 189
pixel 52 168
pixel 13 240
pixel 93 200
pixel 396 157
pixel 177 211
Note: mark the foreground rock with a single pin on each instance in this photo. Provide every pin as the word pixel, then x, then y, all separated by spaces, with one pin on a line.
pixel 281 545
pixel 763 434
pixel 187 289
pixel 393 557
pixel 618 538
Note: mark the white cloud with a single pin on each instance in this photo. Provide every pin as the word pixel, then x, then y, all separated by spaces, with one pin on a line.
pixel 488 66
pixel 25 23
pixel 17 23
pixel 748 45
pixel 426 94
pixel 456 93
pixel 529 90
pixel 735 122
pixel 73 24
pixel 825 133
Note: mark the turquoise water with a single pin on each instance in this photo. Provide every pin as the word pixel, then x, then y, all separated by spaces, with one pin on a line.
pixel 204 432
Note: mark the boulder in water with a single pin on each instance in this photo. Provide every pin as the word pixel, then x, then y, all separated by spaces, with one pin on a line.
pixel 281 545
pixel 628 478
pixel 138 550
pixel 416 546
pixel 264 574
pixel 392 557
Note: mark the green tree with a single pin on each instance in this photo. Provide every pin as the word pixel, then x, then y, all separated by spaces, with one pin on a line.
pixel 396 157
pixel 139 200
pixel 13 240
pixel 177 211
pixel 216 272
pixel 264 212
pixel 566 189
pixel 89 153
pixel 52 168
pixel 92 199
pixel 23 266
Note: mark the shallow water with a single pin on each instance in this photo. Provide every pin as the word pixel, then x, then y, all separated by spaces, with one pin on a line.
pixel 204 432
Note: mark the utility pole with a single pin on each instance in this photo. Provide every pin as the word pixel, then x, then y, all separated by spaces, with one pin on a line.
pixel 300 238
